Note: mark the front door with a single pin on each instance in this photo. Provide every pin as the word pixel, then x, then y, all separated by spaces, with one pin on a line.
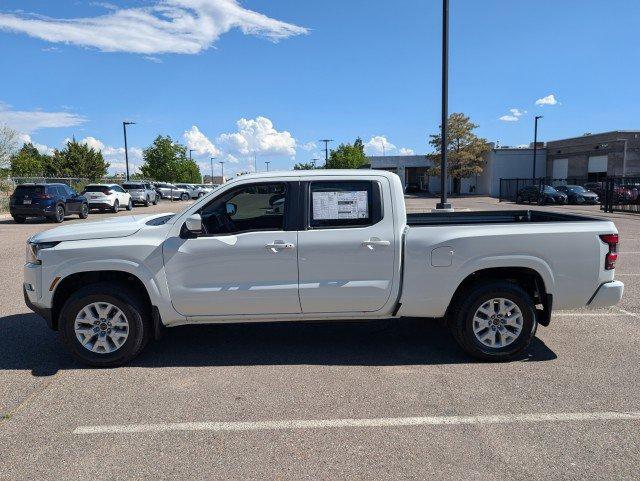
pixel 244 262
pixel 347 251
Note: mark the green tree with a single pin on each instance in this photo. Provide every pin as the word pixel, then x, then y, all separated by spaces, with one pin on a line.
pixel 347 156
pixel 167 161
pixel 306 166
pixel 8 145
pixel 77 160
pixel 465 150
pixel 27 162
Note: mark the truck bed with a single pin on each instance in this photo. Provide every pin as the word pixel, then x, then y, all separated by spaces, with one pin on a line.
pixel 491 217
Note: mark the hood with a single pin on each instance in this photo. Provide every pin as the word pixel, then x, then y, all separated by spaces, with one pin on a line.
pixel 121 226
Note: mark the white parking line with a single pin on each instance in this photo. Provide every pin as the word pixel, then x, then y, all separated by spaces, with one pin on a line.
pixel 359 423
pixel 617 312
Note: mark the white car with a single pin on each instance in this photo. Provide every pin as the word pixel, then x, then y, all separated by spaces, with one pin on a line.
pixel 107 197
pixel 324 245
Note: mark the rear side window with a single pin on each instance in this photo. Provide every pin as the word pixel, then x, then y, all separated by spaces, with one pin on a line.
pixel 56 190
pixel 96 188
pixel 344 204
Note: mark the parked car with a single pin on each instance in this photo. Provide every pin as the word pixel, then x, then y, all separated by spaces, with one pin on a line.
pixel 341 247
pixel 170 191
pixel 208 187
pixel 621 194
pixel 53 201
pixel 576 194
pixel 141 193
pixel 412 188
pixel 107 197
pixel 541 195
pixel 193 190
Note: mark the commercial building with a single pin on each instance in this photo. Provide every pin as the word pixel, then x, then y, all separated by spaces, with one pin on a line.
pixel 595 156
pixel 502 162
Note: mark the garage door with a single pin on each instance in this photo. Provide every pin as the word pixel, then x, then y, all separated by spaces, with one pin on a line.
pixel 598 163
pixel 560 168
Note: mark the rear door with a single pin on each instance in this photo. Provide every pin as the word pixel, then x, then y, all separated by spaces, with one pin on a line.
pixel 347 248
pixel 72 201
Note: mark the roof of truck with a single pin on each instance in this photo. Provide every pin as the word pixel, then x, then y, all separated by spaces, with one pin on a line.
pixel 317 173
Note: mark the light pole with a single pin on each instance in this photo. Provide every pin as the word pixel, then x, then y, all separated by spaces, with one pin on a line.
pixel 222 173
pixel 126 149
pixel 326 150
pixel 212 159
pixel 267 162
pixel 443 204
pixel 190 151
pixel 535 144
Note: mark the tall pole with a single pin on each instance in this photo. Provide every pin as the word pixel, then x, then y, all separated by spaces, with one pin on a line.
pixel 535 144
pixel 212 159
pixel 445 114
pixel 222 168
pixel 267 162
pixel 190 151
pixel 126 148
pixel 326 150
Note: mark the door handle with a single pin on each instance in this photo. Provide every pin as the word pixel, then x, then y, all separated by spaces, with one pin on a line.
pixel 376 242
pixel 279 245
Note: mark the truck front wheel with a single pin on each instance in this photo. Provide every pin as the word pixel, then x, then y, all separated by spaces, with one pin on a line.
pixel 103 325
pixel 494 321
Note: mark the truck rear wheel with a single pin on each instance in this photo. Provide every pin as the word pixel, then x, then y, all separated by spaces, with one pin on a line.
pixel 494 321
pixel 104 326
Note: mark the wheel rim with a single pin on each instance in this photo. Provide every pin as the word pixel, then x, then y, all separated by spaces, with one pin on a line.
pixel 498 322
pixel 101 328
pixel 85 210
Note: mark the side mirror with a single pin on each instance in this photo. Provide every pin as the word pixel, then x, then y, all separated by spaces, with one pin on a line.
pixel 231 208
pixel 194 224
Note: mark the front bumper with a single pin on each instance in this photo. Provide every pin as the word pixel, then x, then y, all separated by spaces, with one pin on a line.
pixel 608 294
pixel 43 312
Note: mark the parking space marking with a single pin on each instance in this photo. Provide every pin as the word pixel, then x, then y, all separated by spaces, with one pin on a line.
pixel 618 312
pixel 359 423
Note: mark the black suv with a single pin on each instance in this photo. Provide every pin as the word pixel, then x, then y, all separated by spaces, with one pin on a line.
pixel 541 195
pixel 52 201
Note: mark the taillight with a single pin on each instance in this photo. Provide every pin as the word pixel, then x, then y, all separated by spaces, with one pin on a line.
pixel 42 196
pixel 612 256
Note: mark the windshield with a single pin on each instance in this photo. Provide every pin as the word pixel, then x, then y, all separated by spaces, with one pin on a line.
pixel 576 188
pixel 97 188
pixel 549 190
pixel 128 185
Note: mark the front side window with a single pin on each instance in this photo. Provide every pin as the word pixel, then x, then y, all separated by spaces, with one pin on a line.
pixel 344 204
pixel 255 207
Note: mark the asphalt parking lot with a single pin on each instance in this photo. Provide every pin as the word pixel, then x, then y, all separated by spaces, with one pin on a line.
pixel 380 400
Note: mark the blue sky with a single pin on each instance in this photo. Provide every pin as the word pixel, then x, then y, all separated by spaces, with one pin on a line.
pixel 298 71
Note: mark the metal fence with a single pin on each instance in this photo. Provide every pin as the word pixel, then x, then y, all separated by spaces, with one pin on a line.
pixel 509 188
pixel 621 194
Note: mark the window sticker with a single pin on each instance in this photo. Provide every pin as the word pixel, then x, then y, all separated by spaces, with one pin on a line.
pixel 340 205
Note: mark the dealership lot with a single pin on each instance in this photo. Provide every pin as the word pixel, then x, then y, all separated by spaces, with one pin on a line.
pixel 383 399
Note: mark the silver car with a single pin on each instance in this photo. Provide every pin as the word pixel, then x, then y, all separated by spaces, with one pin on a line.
pixel 194 190
pixel 171 191
pixel 141 192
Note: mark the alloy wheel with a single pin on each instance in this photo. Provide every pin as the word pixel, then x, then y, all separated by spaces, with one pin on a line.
pixel 101 327
pixel 498 322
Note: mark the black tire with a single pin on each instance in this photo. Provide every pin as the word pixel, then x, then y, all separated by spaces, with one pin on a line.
pixel 58 217
pixel 116 206
pixel 541 201
pixel 133 308
pixel 19 219
pixel 146 202
pixel 184 196
pixel 461 320
pixel 130 205
pixel 200 194
pixel 155 200
pixel 519 199
pixel 84 211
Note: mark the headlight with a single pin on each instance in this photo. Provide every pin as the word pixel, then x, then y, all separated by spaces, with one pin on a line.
pixel 33 249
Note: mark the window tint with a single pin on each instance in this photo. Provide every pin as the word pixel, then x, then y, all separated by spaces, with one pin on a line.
pixel 249 208
pixel 344 204
pixel 28 190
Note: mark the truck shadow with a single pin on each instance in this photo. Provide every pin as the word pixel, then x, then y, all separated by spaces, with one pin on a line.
pixel 27 344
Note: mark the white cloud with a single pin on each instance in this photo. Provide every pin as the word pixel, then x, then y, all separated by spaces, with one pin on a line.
pixel 199 142
pixel 29 121
pixel 257 137
pixel 406 151
pixel 375 146
pixel 43 149
pixel 548 100
pixel 168 26
pixel 114 155
pixel 514 116
pixel 309 146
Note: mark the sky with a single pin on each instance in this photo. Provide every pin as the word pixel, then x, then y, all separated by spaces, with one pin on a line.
pixel 256 81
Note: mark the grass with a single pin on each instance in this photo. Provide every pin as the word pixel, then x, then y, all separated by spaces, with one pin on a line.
pixel 6 416
pixel 4 204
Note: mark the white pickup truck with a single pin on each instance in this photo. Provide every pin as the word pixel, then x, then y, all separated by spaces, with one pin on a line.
pixel 317 245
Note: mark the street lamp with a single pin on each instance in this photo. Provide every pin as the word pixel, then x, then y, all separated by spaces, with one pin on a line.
pixel 443 204
pixel 326 150
pixel 222 173
pixel 267 162
pixel 126 149
pixel 535 144
pixel 191 150
pixel 212 159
